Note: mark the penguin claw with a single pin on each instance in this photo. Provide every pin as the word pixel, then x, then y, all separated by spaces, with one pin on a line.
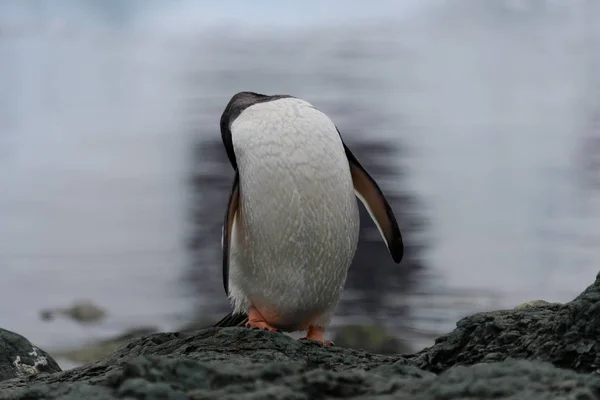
pixel 261 326
pixel 316 333
pixel 271 329
pixel 328 343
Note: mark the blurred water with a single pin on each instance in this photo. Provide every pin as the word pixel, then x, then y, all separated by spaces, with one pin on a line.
pixel 96 122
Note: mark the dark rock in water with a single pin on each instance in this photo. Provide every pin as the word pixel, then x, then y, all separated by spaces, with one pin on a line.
pixel 566 335
pixel 372 338
pixel 541 351
pixel 84 312
pixel 18 357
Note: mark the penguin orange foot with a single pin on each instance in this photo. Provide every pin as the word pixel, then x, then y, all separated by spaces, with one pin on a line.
pixel 257 321
pixel 318 334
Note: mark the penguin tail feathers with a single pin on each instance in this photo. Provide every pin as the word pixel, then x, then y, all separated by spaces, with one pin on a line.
pixel 232 319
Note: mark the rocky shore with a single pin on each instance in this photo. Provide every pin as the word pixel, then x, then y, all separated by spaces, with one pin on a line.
pixel 535 351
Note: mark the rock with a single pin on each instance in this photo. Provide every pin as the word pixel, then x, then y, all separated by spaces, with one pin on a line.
pixel 372 338
pixel 18 357
pixel 84 312
pixel 548 351
pixel 94 351
pixel 566 335
pixel 235 363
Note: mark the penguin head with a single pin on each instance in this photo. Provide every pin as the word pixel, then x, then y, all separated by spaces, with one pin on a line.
pixel 245 99
pixel 238 103
pixel 242 100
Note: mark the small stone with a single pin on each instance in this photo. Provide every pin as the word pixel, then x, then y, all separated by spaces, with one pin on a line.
pixel 84 312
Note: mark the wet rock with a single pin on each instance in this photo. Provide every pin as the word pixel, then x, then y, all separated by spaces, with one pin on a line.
pixel 546 351
pixel 18 357
pixel 566 335
pixel 372 338
pixel 84 312
pixel 235 363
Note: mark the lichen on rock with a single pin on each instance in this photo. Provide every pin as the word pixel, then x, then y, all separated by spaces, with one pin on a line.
pixel 18 357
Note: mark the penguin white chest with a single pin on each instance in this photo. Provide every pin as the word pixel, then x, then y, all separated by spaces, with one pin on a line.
pixel 296 229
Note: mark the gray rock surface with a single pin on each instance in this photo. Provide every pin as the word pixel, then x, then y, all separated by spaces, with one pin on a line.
pixel 542 351
pixel 566 335
pixel 18 357
pixel 93 351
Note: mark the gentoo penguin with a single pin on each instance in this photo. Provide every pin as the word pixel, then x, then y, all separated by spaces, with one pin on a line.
pixel 292 223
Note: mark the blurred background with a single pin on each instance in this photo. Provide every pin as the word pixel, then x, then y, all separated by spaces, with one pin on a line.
pixel 479 119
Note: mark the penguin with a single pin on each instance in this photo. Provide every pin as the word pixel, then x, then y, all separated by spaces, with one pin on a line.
pixel 292 222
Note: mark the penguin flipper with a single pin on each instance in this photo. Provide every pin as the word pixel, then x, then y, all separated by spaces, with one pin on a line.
pixel 369 193
pixel 232 319
pixel 230 213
